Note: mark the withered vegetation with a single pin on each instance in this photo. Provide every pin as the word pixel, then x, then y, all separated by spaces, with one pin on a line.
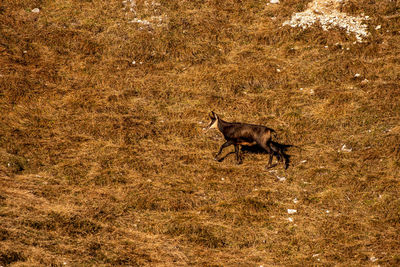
pixel 103 160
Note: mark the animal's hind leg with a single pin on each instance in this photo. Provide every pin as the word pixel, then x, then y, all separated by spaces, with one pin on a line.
pixel 224 145
pixel 238 156
pixel 287 160
pixel 271 155
pixel 267 148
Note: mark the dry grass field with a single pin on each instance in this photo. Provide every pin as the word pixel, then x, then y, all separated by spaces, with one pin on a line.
pixel 103 157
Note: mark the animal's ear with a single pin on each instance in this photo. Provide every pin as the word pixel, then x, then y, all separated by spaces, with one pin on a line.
pixel 212 115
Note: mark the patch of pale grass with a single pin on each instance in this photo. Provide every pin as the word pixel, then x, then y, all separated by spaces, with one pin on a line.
pixel 326 13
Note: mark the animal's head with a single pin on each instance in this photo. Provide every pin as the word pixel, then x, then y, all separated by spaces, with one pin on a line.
pixel 214 121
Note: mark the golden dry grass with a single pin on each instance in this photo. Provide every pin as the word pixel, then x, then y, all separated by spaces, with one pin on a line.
pixel 103 160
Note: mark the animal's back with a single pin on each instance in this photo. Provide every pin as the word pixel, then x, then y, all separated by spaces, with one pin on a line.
pixel 247 132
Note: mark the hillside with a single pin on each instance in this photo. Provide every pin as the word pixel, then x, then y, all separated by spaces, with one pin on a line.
pixel 103 157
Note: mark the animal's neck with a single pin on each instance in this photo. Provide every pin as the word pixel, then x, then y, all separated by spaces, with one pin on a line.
pixel 221 125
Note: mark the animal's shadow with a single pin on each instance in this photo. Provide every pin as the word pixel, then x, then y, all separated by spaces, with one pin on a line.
pixel 278 150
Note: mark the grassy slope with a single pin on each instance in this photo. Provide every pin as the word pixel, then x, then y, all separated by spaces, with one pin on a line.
pixel 104 162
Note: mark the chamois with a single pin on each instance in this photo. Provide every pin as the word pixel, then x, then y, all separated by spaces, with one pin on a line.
pixel 237 134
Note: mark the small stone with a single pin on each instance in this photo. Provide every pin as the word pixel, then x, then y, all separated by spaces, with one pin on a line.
pixel 373 259
pixel 274 1
pixel 345 148
pixel 365 81
pixel 282 179
pixel 291 211
pixel 35 10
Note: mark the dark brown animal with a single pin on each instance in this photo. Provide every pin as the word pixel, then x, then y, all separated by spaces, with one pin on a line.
pixel 240 134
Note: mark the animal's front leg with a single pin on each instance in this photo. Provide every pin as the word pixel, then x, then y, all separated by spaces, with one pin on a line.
pixel 224 145
pixel 222 159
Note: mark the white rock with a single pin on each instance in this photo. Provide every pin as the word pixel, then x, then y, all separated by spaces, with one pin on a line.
pixel 365 81
pixel 373 259
pixel 35 10
pixel 357 75
pixel 274 1
pixel 291 211
pixel 378 27
pixel 295 200
pixel 290 219
pixel 281 178
pixel 328 16
pixel 346 149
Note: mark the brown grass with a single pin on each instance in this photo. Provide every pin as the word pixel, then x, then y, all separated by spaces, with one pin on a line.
pixel 104 162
